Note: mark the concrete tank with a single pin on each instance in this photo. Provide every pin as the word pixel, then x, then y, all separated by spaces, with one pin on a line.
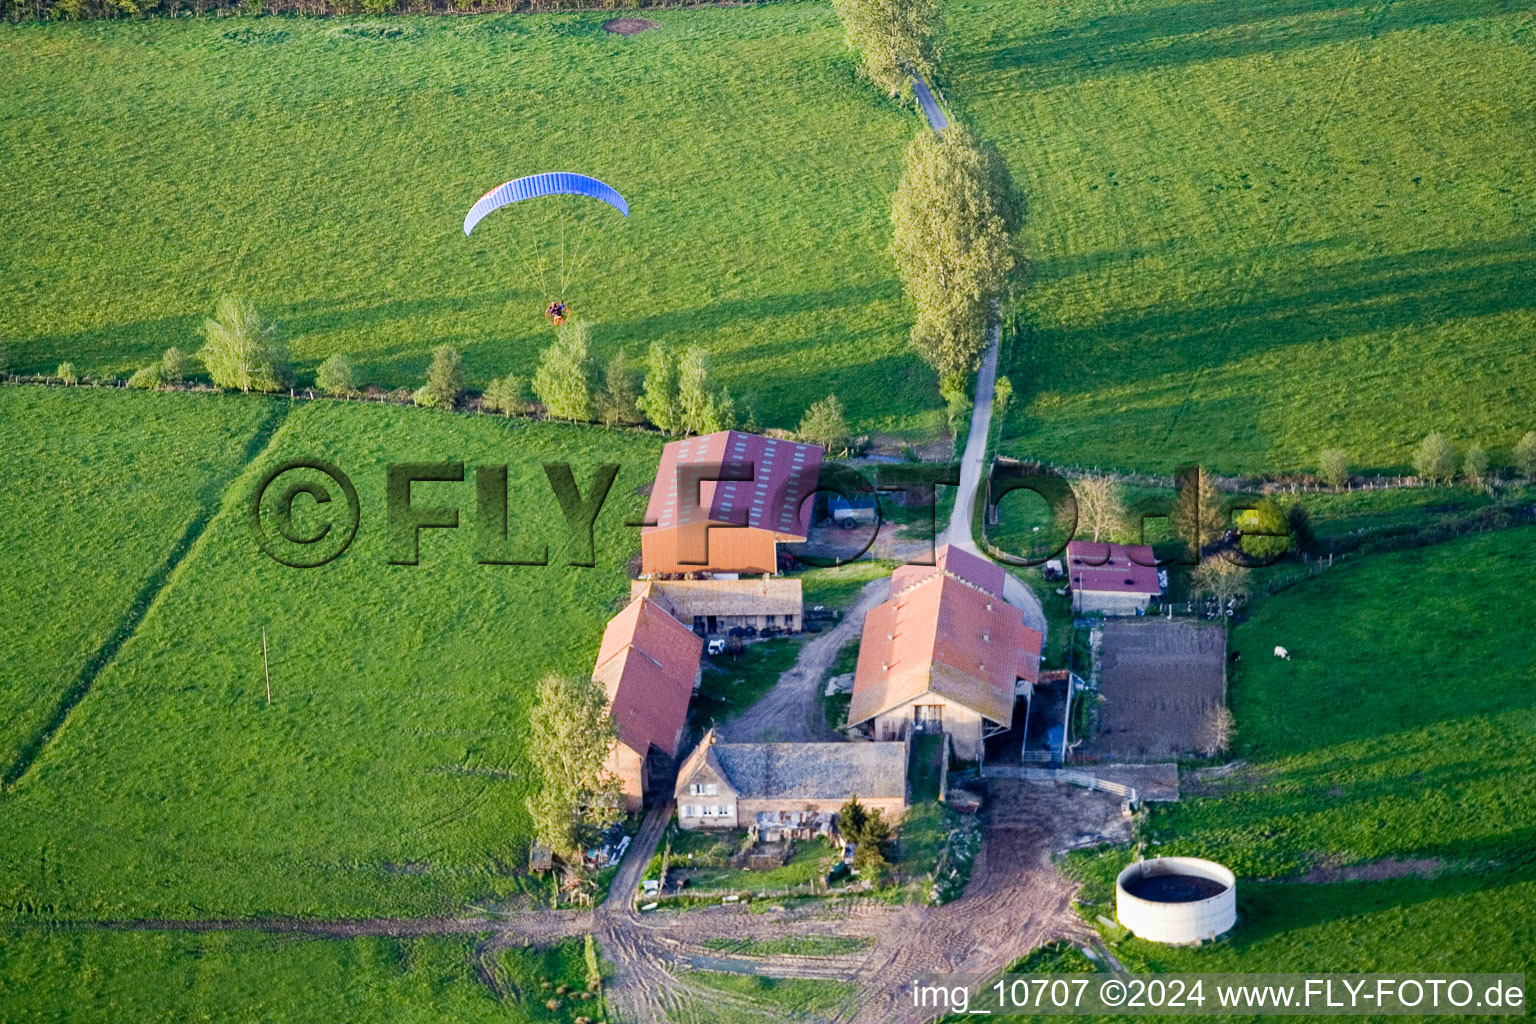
pixel 1176 900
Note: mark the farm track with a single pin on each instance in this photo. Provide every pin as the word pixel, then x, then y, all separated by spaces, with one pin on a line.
pixel 789 712
pixel 142 602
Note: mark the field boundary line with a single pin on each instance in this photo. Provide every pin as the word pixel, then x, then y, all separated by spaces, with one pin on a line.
pixel 148 594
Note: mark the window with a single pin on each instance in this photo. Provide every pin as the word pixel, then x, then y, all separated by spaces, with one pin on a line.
pixel 703 789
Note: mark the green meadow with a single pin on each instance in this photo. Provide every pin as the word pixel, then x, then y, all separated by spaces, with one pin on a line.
pixel 1260 229
pixel 387 775
pixel 173 977
pixel 1398 741
pixel 102 493
pixel 322 168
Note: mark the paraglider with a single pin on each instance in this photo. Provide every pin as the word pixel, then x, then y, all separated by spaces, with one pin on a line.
pixel 539 225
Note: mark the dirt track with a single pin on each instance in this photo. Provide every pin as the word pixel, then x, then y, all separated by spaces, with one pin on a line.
pixel 789 712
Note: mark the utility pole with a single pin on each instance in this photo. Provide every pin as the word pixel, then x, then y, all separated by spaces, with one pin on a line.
pixel 265 668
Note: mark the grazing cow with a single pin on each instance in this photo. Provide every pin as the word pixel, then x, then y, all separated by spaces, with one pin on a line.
pixel 1281 652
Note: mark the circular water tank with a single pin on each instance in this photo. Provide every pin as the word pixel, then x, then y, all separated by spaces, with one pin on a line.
pixel 1176 899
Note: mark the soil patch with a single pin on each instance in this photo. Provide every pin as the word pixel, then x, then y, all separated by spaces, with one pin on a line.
pixel 1376 871
pixel 630 26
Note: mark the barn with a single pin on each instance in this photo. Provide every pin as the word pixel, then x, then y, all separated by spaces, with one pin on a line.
pixel 698 523
pixel 720 605
pixel 945 654
pixel 649 666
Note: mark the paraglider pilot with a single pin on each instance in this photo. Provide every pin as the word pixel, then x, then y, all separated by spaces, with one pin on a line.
pixel 556 312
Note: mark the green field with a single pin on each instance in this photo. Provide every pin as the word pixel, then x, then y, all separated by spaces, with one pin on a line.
pixel 1262 229
pixel 1401 734
pixel 103 492
pixel 388 774
pixel 150 977
pixel 322 168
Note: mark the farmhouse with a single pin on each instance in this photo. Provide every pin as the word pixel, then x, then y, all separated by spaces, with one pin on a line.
pixel 700 524
pixel 944 654
pixel 1111 579
pixel 718 605
pixel 649 665
pixel 772 785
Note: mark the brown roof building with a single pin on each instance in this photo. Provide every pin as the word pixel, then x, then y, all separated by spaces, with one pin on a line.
pixel 702 525
pixel 649 666
pixel 716 606
pixel 943 654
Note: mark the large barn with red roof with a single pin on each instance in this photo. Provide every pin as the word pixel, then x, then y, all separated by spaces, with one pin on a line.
pixel 649 666
pixel 701 525
pixel 945 653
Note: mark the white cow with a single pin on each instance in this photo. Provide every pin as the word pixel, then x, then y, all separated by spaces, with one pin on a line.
pixel 1281 652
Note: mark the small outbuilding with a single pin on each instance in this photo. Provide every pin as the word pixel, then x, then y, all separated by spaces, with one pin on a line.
pixel 713 606
pixel 1112 579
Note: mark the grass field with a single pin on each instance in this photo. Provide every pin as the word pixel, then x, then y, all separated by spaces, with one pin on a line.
pixel 102 493
pixel 1262 229
pixel 387 776
pixel 150 977
pixel 323 167
pixel 1400 738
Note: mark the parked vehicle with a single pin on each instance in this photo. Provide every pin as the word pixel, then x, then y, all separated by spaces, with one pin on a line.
pixel 717 645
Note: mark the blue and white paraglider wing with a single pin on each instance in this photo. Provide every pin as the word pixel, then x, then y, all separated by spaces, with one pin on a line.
pixel 552 183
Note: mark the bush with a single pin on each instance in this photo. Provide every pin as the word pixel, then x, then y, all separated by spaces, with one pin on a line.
pixel 957 401
pixel 173 366
pixel 67 373
pixel 1333 468
pixel 445 379
pixel 146 378
pixel 335 377
pixel 1435 459
pixel 824 423
pixel 1475 466
pixel 508 395
pixel 244 351
pixel 1525 455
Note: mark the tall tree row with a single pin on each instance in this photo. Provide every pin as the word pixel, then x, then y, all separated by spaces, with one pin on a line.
pixel 952 246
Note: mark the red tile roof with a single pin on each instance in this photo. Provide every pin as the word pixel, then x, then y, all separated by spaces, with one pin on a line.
pixel 648 663
pixel 1112 568
pixel 944 636
pixel 784 473
pixel 981 572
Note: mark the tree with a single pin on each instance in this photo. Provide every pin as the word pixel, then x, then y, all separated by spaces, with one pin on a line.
pixel 146 378
pixel 703 407
pixel 659 402
pixel 1100 508
pixel 563 380
pixel 957 400
pixel 242 350
pixel 5 357
pixel 445 379
pixel 1266 530
pixel 893 38
pixel 1199 514
pixel 825 424
pixel 67 373
pixel 335 376
pixel 1214 732
pixel 570 733
pixel 1002 395
pixel 1475 466
pixel 1299 521
pixel 851 818
pixel 1222 579
pixel 508 395
pixel 1525 455
pixel 173 365
pixel 1435 458
pixel 951 245
pixel 871 834
pixel 1333 467
pixel 619 401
